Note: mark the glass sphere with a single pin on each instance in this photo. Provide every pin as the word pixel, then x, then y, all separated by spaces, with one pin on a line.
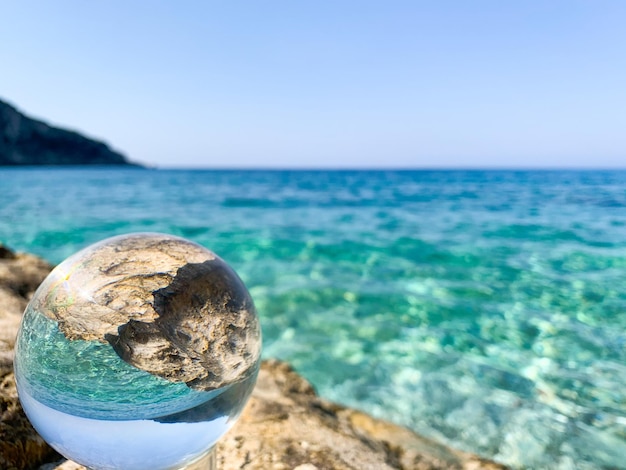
pixel 137 352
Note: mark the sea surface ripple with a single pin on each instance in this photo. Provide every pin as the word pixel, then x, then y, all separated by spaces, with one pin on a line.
pixel 486 309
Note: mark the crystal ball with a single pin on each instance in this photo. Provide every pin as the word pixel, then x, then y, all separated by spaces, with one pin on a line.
pixel 138 352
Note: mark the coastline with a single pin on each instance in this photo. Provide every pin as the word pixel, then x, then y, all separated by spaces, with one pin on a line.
pixel 284 426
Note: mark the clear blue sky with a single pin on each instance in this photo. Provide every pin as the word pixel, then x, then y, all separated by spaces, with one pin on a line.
pixel 327 83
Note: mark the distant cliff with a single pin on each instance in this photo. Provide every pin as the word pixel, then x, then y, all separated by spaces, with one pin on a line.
pixel 27 141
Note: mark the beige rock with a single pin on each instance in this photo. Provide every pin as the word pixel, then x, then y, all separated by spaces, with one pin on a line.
pixel 20 446
pixel 168 306
pixel 285 425
pixel 94 292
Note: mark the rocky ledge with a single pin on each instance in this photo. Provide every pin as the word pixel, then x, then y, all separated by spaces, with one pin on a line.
pixel 284 426
pixel 28 141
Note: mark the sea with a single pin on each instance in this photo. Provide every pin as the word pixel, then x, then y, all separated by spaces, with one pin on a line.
pixel 483 309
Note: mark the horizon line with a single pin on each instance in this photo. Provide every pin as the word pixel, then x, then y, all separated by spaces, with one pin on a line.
pixel 140 166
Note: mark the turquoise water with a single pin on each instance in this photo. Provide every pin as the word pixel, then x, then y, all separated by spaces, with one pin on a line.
pixel 486 309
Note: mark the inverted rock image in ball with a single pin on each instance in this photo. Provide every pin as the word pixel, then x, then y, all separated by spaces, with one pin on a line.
pixel 137 352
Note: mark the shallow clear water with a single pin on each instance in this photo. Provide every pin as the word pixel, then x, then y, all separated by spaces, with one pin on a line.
pixel 485 309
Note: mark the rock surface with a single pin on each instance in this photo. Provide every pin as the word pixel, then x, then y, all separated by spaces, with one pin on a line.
pixel 27 141
pixel 20 446
pixel 168 306
pixel 284 426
